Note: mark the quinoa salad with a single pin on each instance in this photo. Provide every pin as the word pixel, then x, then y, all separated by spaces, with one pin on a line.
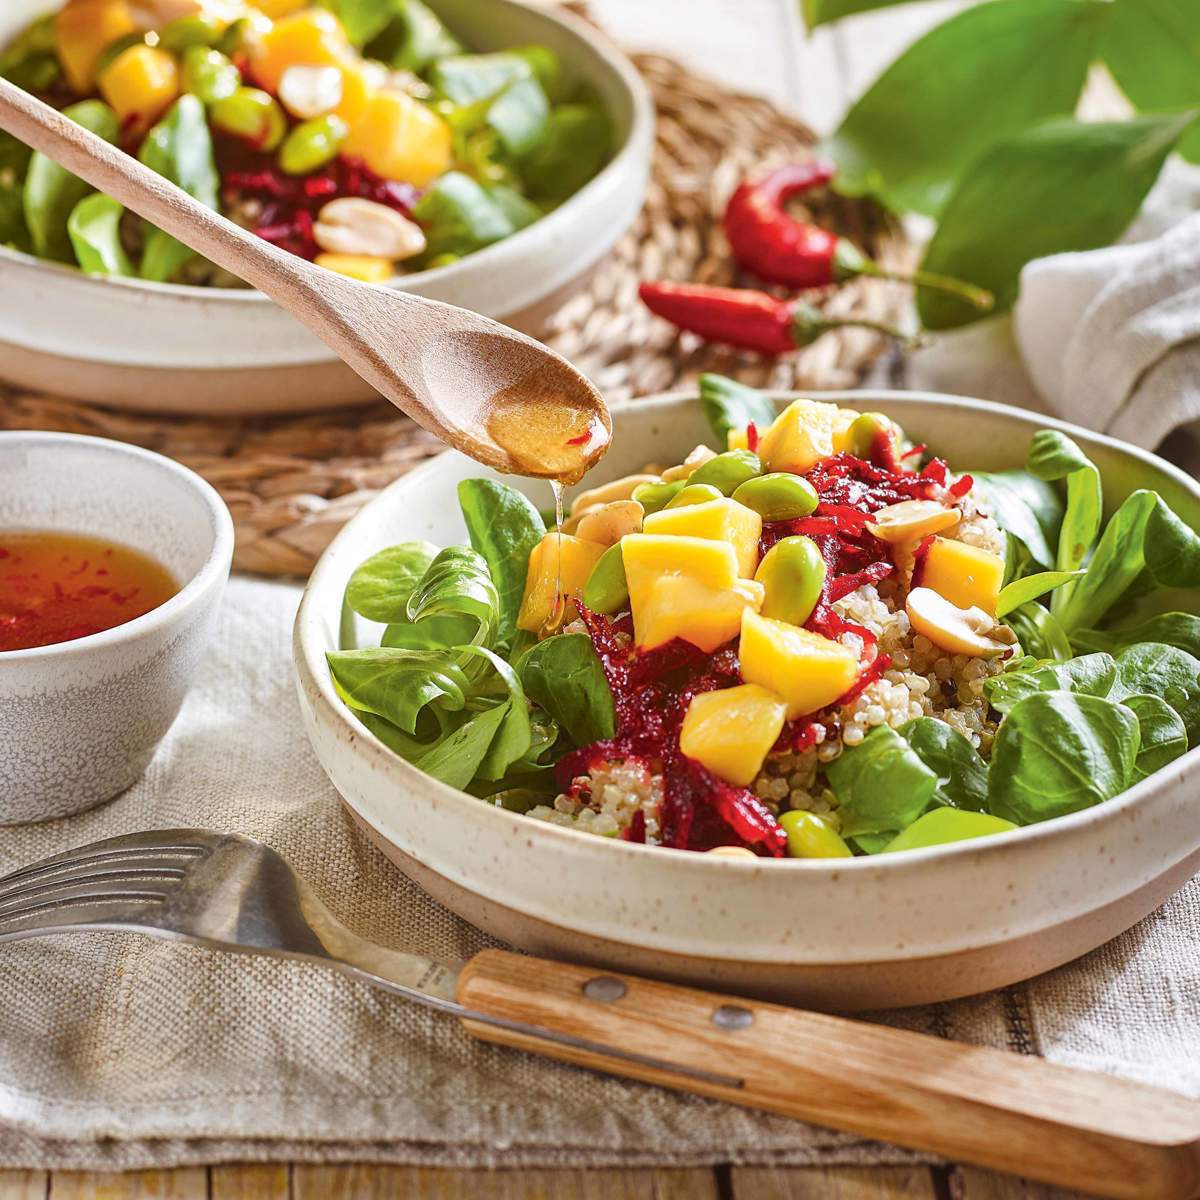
pixel 809 639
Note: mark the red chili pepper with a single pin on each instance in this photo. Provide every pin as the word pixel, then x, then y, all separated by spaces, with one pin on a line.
pixel 768 241
pixel 747 319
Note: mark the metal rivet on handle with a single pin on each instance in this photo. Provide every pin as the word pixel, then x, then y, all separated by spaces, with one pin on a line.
pixel 732 1016
pixel 604 989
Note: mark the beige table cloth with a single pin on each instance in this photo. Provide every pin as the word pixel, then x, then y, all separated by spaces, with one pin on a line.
pixel 119 1051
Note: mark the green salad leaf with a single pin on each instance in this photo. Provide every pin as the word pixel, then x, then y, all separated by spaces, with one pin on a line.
pixel 1164 671
pixel 1178 629
pixel 577 142
pixel 94 229
pixel 961 773
pixel 1163 736
pixel 1025 506
pixel 821 12
pixel 504 527
pixel 179 148
pixel 399 685
pixel 923 123
pixel 459 756
pixel 730 405
pixel 1090 675
pixel 1039 633
pixel 460 216
pixel 1172 550
pixel 1058 752
pixel 565 677
pixel 458 585
pixel 380 588
pixel 940 826
pixel 882 785
pixel 1026 588
pixel 51 192
pixel 30 60
pixel 405 34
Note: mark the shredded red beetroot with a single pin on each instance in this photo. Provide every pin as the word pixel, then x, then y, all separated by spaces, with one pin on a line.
pixel 290 203
pixel 919 556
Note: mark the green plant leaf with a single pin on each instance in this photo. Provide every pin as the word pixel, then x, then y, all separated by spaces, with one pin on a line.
pixel 577 142
pixel 962 774
pixel 986 74
pixel 1152 48
pixel 458 585
pixel 882 785
pixel 179 148
pixel 1088 675
pixel 380 588
pixel 1172 548
pixel 1159 670
pixel 504 527
pixel 564 676
pixel 730 405
pixel 456 757
pixel 405 34
pixel 1062 185
pixel 1025 506
pixel 1163 736
pixel 940 826
pixel 398 685
pixel 51 192
pixel 459 216
pixel 821 12
pixel 1178 629
pixel 94 229
pixel 1057 753
pixel 1030 587
pixel 1039 633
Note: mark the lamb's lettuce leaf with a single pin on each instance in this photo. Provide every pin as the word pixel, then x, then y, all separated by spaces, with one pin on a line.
pixel 1178 629
pixel 882 785
pixel 94 230
pixel 564 676
pixel 380 588
pixel 961 773
pixel 1028 508
pixel 730 405
pixel 1089 675
pixel 1163 736
pixel 1173 675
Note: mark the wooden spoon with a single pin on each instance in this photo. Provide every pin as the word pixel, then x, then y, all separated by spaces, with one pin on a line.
pixel 491 392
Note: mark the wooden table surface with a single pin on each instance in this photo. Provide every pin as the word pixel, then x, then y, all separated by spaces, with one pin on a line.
pixel 361 1182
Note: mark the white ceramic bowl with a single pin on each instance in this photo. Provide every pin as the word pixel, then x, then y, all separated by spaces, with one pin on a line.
pixel 185 349
pixel 851 934
pixel 80 720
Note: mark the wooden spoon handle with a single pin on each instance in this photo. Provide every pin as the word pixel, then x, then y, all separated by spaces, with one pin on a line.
pixel 970 1104
pixel 148 194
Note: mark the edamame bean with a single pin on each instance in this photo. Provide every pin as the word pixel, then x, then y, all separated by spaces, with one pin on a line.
pixel 607 590
pixel 654 497
pixel 792 573
pixel 114 50
pixel 209 75
pixel 810 836
pixel 779 496
pixel 312 144
pixel 194 30
pixel 726 472
pixel 243 33
pixel 253 115
pixel 694 493
pixel 868 432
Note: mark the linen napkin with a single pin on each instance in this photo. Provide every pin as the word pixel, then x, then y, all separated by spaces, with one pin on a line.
pixel 1111 337
pixel 117 1051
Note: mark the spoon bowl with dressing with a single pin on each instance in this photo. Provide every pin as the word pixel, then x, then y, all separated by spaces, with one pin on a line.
pixel 112 563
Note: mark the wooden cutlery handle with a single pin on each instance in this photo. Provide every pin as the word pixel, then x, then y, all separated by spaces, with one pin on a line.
pixel 970 1104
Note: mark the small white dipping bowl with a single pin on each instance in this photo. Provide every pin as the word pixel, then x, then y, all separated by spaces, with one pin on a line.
pixel 80 720
pixel 861 933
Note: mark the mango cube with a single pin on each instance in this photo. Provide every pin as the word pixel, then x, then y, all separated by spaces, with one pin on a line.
pixel 312 38
pixel 731 731
pixel 559 566
pixel 738 439
pixel 809 671
pixel 842 420
pixel 965 575
pixel 800 436
pixel 400 138
pixel 647 556
pixel 366 268
pixel 140 84
pixel 678 606
pixel 721 520
pixel 83 30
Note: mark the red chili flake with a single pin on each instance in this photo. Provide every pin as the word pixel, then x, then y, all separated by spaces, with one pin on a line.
pixel 752 438
pixel 582 439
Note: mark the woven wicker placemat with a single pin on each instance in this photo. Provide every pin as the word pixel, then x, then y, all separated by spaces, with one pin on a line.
pixel 292 482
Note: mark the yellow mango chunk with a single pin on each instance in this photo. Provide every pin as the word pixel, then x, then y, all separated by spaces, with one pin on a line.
pixel 965 575
pixel 275 9
pixel 400 138
pixel 647 556
pixel 312 38
pixel 737 439
pixel 731 731
pixel 843 419
pixel 140 84
pixel 800 437
pixel 364 267
pixel 678 606
pixel 809 671
pixel 559 566
pixel 83 30
pixel 721 520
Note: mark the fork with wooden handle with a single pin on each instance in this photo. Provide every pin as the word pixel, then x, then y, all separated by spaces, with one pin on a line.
pixel 970 1104
pixel 446 367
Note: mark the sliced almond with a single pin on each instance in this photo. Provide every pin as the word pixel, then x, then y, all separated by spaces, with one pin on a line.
pixel 693 462
pixel 911 519
pixel 309 91
pixel 968 631
pixel 619 489
pixel 609 523
pixel 732 852
pixel 354 226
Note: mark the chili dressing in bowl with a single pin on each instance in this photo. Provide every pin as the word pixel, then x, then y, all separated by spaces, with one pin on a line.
pixel 57 587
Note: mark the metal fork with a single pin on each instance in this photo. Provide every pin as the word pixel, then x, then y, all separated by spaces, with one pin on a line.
pixel 234 893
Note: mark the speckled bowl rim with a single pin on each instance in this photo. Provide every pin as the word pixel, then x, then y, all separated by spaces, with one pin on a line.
pixel 633 149
pixel 211 571
pixel 310 661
